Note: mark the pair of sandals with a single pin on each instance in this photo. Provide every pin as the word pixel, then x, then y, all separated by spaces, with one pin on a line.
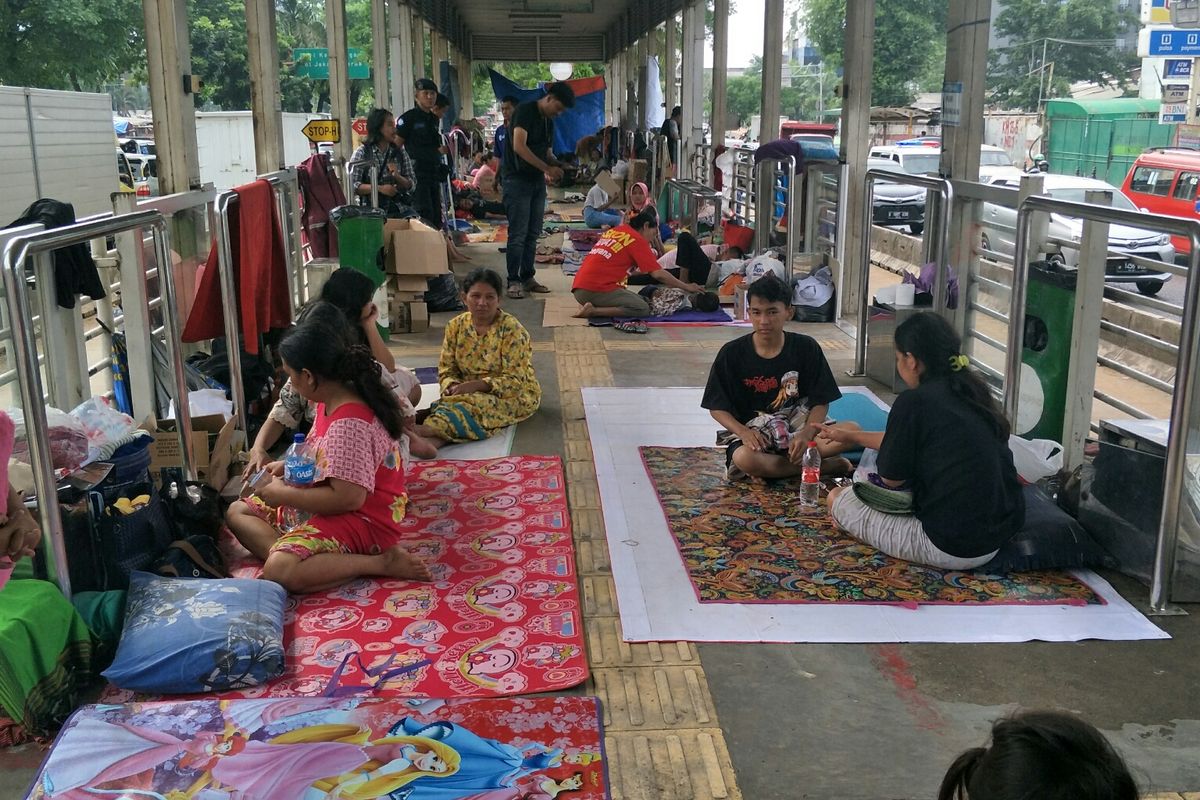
pixel 631 326
pixel 516 291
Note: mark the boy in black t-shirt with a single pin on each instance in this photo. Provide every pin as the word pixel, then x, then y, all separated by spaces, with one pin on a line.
pixel 772 391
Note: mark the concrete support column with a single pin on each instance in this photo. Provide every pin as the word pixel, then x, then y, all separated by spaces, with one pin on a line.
pixel 671 62
pixel 856 141
pixel 339 75
pixel 967 27
pixel 630 75
pixel 400 54
pixel 772 83
pixel 438 53
pixel 420 62
pixel 169 58
pixel 266 104
pixel 466 88
pixel 379 56
pixel 720 77
pixel 609 83
pixel 691 95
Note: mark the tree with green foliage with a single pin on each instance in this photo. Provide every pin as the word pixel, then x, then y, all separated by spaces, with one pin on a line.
pixel 798 98
pixel 910 44
pixel 1056 43
pixel 70 44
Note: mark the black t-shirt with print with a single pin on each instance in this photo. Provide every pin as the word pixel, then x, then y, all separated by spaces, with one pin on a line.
pixel 965 488
pixel 539 135
pixel 744 384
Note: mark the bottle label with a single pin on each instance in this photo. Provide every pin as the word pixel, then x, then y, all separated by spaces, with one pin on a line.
pixel 811 475
pixel 300 473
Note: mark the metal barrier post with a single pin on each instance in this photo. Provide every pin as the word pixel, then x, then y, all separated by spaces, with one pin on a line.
pixel 16 253
pixel 940 256
pixel 229 305
pixel 285 182
pixel 62 335
pixel 372 173
pixel 1163 574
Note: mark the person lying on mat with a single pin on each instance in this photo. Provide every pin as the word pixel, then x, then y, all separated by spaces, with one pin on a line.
pixel 771 391
pixel 485 371
pixel 351 292
pixel 692 262
pixel 356 499
pixel 947 442
pixel 599 286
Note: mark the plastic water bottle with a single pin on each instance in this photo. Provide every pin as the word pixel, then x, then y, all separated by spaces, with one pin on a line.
pixel 299 466
pixel 299 469
pixel 810 476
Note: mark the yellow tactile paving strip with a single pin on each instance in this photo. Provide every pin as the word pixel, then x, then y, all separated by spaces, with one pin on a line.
pixel 661 729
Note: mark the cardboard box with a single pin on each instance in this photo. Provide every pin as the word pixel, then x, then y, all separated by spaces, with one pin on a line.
pixel 215 443
pixel 413 248
pixel 399 321
pixel 418 317
pixel 740 312
pixel 407 284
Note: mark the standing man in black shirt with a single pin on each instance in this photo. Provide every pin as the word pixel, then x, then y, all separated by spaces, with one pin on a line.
pixel 528 160
pixel 417 131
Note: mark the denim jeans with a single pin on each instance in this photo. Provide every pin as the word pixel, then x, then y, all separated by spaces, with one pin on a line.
pixel 598 219
pixel 525 203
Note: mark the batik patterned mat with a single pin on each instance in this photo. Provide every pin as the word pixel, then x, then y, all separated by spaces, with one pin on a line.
pixel 312 748
pixel 747 543
pixel 502 617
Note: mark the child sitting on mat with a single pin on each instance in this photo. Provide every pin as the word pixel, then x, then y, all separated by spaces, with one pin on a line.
pixel 947 442
pixel 1044 754
pixel 771 390
pixel 358 497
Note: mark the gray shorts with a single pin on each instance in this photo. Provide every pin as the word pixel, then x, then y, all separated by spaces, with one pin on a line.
pixel 899 535
pixel 631 305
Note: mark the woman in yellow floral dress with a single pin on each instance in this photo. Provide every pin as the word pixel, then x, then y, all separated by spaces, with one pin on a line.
pixel 486 369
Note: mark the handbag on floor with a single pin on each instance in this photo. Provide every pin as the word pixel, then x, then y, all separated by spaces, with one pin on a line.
pixel 194 557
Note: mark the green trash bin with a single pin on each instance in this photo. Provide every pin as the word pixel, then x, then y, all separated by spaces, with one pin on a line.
pixel 360 245
pixel 360 240
pixel 1046 354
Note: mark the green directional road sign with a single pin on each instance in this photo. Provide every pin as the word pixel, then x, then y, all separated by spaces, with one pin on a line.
pixel 313 62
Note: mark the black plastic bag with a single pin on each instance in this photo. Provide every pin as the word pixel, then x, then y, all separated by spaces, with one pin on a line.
pixel 441 293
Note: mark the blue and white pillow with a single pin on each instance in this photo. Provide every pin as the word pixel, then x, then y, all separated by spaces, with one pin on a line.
pixel 183 635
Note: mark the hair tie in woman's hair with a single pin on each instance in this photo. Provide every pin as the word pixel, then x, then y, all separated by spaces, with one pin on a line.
pixel 959 362
pixel 359 361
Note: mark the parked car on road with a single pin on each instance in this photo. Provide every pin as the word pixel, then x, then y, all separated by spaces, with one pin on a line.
pixel 999 233
pixel 896 203
pixel 1164 181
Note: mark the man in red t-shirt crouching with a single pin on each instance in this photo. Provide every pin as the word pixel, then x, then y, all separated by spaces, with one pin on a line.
pixel 600 283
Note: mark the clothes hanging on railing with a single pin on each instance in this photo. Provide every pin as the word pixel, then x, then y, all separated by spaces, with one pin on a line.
pixel 259 272
pixel 74 270
pixel 321 192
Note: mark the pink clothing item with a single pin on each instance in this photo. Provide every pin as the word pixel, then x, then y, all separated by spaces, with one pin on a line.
pixel 645 194
pixel 485 179
pixel 269 771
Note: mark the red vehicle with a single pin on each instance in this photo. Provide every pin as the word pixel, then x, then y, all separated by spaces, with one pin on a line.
pixel 1164 181
pixel 790 127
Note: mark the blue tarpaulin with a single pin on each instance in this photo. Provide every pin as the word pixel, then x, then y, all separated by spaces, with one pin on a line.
pixel 585 119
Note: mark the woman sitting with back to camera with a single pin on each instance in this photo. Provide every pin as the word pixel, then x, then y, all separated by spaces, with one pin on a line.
pixel 485 370
pixel 350 291
pixel 946 441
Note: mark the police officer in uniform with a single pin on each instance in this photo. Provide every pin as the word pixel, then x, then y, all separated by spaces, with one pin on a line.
pixel 418 132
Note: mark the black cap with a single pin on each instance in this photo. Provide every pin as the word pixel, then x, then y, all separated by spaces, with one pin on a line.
pixel 425 85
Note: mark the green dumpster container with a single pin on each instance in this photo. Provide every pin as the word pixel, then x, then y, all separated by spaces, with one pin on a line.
pixel 1046 355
